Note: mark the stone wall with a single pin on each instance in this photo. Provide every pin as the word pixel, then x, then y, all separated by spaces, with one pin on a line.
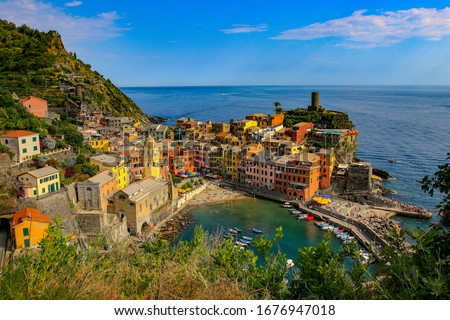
pixel 357 179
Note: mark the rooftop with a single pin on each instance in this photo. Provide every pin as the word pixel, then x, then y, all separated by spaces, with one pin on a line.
pixel 102 177
pixel 137 190
pixel 31 214
pixel 18 133
pixel 42 172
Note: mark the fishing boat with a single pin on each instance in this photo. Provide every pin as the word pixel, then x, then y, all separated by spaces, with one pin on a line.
pixel 259 231
pixel 242 244
pixel 302 216
pixel 247 238
pixel 289 263
pixel 286 205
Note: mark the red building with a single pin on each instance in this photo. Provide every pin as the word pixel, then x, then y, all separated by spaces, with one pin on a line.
pixel 299 131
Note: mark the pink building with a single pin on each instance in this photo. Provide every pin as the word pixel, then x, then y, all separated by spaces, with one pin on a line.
pixel 36 106
pixel 260 170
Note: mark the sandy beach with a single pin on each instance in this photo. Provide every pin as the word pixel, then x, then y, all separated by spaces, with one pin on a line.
pixel 214 194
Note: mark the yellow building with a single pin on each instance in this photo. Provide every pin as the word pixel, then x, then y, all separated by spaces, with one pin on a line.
pixel 101 144
pixel 106 162
pixel 231 160
pixel 40 182
pixel 243 125
pixel 29 227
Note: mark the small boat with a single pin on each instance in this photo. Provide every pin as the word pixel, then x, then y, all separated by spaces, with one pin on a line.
pixel 309 218
pixel 289 263
pixel 237 229
pixel 242 244
pixel 392 160
pixel 259 231
pixel 296 212
pixel 232 231
pixel 286 205
pixel 247 238
pixel 339 230
pixel 327 228
pixel 320 223
pixel 227 236
pixel 302 216
pixel 244 241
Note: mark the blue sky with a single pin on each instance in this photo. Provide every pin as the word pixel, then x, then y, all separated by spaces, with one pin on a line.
pixel 175 42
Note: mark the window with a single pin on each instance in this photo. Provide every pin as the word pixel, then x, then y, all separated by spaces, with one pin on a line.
pixel 24 140
pixel 24 150
pixel 6 141
pixel 27 243
pixel 43 190
pixel 25 232
pixel 34 192
pixel 35 148
pixel 34 139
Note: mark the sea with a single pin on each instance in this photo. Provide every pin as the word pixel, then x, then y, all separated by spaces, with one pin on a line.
pixel 410 124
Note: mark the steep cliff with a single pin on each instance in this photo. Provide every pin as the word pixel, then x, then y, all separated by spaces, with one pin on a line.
pixel 36 63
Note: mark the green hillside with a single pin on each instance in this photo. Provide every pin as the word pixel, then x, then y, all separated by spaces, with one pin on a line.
pixel 36 63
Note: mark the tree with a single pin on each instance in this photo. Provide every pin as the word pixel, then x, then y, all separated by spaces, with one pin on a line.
pixel 49 143
pixel 277 105
pixel 440 181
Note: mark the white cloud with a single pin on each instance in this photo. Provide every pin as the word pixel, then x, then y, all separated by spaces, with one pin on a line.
pixel 73 4
pixel 73 29
pixel 362 31
pixel 245 28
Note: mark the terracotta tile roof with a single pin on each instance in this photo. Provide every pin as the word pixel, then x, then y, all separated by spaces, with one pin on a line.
pixel 29 213
pixel 17 133
pixel 222 134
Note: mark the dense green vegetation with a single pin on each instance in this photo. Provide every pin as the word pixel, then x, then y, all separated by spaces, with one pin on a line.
pixel 330 119
pixel 35 63
pixel 440 181
pixel 15 117
pixel 204 268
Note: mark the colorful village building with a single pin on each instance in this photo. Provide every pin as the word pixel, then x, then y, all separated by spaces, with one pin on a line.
pixel 298 175
pixel 117 166
pixel 24 144
pixel 93 193
pixel 39 182
pixel 29 227
pixel 35 106
pixel 139 202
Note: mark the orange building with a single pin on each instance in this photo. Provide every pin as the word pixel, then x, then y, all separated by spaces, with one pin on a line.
pixel 327 160
pixel 298 175
pixel 93 193
pixel 29 227
pixel 299 131
pixel 36 106
pixel 265 121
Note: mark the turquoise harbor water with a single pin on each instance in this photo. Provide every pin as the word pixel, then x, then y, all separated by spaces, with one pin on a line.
pixel 261 214
pixel 406 123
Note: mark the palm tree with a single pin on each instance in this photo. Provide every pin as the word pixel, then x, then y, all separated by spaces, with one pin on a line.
pixel 277 107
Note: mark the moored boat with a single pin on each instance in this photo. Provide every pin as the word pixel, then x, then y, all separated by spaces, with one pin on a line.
pixel 244 241
pixel 237 229
pixel 247 238
pixel 309 218
pixel 259 231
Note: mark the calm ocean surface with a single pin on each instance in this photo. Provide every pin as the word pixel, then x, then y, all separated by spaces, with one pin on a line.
pixel 407 123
